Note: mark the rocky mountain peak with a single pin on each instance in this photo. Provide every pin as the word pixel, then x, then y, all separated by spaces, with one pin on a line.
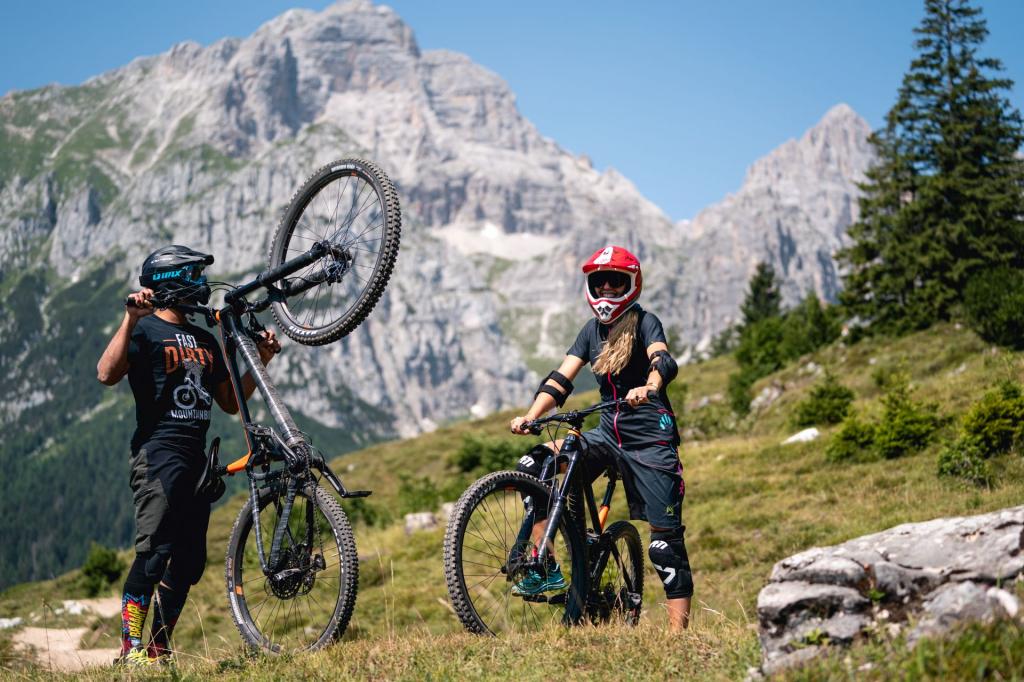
pixel 834 148
pixel 204 146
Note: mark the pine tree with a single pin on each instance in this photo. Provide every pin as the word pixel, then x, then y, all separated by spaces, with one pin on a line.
pixel 944 201
pixel 763 299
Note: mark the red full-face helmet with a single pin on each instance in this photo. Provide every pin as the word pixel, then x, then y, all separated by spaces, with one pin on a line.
pixel 614 265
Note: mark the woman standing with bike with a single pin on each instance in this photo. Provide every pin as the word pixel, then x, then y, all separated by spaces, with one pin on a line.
pixel 176 371
pixel 626 347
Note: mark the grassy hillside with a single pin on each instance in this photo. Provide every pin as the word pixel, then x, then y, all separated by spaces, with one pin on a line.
pixel 750 502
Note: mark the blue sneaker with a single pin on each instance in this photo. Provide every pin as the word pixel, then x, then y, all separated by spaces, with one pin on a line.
pixel 535 583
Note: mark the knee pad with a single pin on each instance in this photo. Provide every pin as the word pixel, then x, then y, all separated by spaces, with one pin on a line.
pixel 156 563
pixel 148 567
pixel 668 555
pixel 532 461
pixel 186 568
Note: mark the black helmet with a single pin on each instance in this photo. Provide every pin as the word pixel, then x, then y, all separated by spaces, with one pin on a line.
pixel 177 271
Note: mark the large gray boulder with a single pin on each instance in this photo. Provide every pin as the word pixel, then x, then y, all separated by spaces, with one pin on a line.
pixel 924 578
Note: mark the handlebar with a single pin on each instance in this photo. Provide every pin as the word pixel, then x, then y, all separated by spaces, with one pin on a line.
pixel 264 280
pixel 576 417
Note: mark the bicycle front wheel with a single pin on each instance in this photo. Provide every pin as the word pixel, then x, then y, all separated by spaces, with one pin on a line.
pixel 490 550
pixel 618 590
pixel 307 602
pixel 352 204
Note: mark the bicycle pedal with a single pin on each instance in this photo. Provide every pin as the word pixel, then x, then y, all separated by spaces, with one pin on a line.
pixel 535 598
pixel 357 493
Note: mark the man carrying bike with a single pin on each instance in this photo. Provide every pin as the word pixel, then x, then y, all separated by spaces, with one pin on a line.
pixel 627 349
pixel 176 370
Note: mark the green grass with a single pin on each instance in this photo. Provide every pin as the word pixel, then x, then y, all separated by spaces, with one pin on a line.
pixel 750 502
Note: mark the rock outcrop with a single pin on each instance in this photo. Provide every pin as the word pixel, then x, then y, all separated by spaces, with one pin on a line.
pixel 921 579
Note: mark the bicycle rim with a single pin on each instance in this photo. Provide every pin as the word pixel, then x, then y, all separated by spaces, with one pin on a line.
pixel 309 601
pixel 351 204
pixel 492 542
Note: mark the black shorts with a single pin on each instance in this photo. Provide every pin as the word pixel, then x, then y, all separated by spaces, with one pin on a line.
pixel 652 476
pixel 167 511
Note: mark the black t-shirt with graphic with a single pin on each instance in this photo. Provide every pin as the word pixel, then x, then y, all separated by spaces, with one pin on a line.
pixel 652 422
pixel 172 370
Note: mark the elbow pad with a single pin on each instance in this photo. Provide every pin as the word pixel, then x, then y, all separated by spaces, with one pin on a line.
pixel 559 379
pixel 666 366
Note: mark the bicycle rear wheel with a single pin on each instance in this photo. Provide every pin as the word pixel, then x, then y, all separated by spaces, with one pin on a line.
pixel 488 548
pixel 308 602
pixel 618 591
pixel 352 204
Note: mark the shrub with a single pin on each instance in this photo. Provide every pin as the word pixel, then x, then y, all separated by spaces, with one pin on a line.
pixel 359 511
pixel 766 344
pixel 101 568
pixel 996 422
pixel 853 442
pixel 759 351
pixel 808 327
pixel 711 421
pixel 994 304
pixel 828 403
pixel 964 458
pixel 906 425
pixel 739 391
pixel 422 494
pixel 483 455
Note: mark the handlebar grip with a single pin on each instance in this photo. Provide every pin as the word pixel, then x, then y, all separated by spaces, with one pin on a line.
pixel 129 302
pixel 651 395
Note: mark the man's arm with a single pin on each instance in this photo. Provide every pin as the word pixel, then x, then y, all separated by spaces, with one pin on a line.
pixel 113 364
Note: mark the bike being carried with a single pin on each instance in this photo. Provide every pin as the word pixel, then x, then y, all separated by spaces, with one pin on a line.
pixel 291 566
pixel 518 551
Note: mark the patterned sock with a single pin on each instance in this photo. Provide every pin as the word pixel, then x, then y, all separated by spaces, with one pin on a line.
pixel 165 617
pixel 134 608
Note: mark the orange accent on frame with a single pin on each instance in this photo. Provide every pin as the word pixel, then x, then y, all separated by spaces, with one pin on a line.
pixel 239 464
pixel 602 515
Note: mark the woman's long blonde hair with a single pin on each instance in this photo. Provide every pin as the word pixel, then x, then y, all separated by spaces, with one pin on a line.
pixel 616 352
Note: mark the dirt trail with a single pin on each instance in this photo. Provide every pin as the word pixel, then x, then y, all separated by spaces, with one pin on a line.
pixel 59 648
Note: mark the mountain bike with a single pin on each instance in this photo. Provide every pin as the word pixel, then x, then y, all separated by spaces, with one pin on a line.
pixel 291 567
pixel 496 538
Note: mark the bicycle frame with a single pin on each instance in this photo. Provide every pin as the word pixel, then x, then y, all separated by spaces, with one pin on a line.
pixel 571 449
pixel 265 444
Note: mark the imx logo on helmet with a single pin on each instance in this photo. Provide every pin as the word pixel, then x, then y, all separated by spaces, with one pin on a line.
pixel 177 271
pixel 612 267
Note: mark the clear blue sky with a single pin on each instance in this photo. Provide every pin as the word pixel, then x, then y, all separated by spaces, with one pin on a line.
pixel 679 96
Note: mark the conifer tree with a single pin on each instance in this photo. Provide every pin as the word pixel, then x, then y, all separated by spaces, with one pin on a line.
pixel 944 200
pixel 763 299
